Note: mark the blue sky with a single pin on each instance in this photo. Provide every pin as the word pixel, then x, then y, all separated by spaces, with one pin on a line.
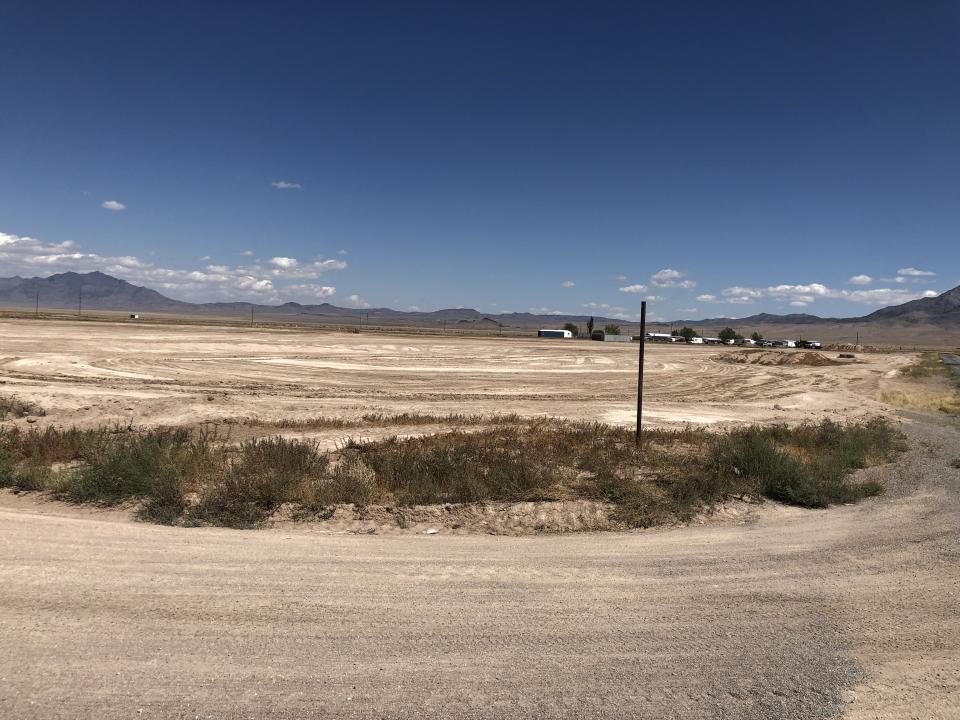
pixel 717 158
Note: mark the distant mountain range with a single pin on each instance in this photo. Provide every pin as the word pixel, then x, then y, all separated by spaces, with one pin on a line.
pixel 98 291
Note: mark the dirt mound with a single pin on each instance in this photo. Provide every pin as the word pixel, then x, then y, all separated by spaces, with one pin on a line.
pixel 495 518
pixel 779 357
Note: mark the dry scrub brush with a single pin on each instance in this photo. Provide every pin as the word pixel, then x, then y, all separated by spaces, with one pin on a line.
pixel 178 476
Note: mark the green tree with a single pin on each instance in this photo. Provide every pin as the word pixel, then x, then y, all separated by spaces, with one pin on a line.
pixel 590 326
pixel 756 337
pixel 575 329
pixel 611 329
pixel 727 334
pixel 687 333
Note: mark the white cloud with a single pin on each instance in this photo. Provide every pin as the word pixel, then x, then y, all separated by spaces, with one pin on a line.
pixel 888 296
pixel 653 298
pixel 247 253
pixel 286 185
pixel 318 292
pixel 567 283
pixel 860 280
pixel 205 257
pixel 285 263
pixel 670 278
pixel 341 252
pixel 357 301
pixel 802 295
pixel 413 308
pixel 546 311
pixel 913 272
pixel 620 278
pixel 636 289
pixel 596 306
pixel 114 205
pixel 686 310
pixel 707 298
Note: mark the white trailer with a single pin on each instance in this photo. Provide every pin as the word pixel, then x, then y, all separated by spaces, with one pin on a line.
pixel 554 334
pixel 659 337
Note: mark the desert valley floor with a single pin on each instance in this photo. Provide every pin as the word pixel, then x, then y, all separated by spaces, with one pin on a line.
pixel 91 373
pixel 761 611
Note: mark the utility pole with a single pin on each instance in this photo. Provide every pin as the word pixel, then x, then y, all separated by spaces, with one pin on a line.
pixel 251 314
pixel 36 308
pixel 80 301
pixel 643 332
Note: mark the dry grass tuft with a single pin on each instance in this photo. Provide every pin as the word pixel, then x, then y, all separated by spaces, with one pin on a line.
pixel 14 407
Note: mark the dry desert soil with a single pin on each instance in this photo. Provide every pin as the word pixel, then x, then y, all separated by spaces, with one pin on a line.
pixel 760 611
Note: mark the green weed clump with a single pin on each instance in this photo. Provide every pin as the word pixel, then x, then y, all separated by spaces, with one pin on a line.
pixel 263 474
pixel 807 465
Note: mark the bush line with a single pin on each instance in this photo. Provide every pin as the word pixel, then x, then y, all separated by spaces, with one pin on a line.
pixel 191 478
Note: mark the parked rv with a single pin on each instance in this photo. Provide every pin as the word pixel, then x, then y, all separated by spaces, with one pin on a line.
pixel 554 334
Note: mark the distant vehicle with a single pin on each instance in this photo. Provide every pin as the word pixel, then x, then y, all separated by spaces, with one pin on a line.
pixel 729 342
pixel 764 343
pixel 712 341
pixel 784 343
pixel 695 341
pixel 658 337
pixel 554 334
pixel 746 341
pixel 811 344
pixel 134 316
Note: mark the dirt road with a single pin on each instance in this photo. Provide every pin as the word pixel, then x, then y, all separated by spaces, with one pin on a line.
pixel 779 613
pixel 91 373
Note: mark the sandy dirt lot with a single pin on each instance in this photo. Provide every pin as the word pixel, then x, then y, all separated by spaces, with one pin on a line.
pixel 90 373
pixel 760 611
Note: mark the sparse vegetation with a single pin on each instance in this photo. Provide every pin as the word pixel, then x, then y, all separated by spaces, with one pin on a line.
pixel 956 464
pixel 687 333
pixel 729 333
pixel 573 328
pixel 611 329
pixel 14 407
pixel 938 387
pixel 322 422
pixel 177 476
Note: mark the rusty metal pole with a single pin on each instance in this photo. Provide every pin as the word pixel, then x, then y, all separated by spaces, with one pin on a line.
pixel 643 333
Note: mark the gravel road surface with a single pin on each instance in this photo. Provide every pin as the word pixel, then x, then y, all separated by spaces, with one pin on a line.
pixel 776 613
